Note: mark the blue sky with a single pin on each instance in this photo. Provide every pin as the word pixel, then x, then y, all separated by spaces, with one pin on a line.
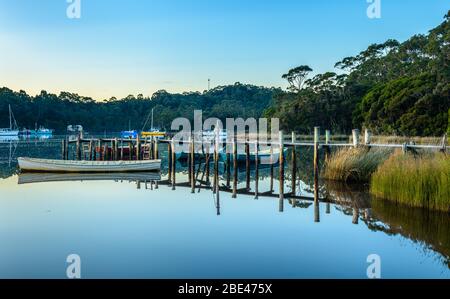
pixel 123 47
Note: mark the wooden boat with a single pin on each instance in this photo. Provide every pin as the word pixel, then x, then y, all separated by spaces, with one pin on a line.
pixel 47 165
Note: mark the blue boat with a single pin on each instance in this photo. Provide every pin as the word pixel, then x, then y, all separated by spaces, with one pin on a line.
pixel 129 134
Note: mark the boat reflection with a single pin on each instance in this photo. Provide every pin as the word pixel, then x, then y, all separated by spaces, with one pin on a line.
pixel 144 177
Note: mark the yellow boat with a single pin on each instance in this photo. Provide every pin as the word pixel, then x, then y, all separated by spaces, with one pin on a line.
pixel 153 134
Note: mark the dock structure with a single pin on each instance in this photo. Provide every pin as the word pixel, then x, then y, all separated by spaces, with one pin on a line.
pixel 111 149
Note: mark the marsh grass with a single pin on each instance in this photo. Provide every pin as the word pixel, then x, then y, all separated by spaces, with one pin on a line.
pixel 354 164
pixel 417 181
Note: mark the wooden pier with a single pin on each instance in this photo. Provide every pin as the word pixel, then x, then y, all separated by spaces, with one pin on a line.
pixel 106 149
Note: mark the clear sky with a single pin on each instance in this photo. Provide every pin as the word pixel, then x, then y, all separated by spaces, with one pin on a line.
pixel 121 47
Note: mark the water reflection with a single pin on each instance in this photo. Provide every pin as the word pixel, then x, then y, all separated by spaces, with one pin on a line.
pixel 249 222
pixel 430 229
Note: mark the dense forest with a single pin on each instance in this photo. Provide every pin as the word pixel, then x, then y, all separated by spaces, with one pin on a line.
pixel 391 88
pixel 113 115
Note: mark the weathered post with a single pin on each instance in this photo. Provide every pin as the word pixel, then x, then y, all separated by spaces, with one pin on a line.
pixel 112 149
pixel 64 148
pixel 281 172
pixel 367 137
pixel 256 170
pixel 189 159
pixel 294 164
pixel 316 211
pixel 216 164
pixel 355 134
pixel 138 148
pixel 91 145
pixel 174 162
pixel 78 148
pixel 316 175
pixel 156 155
pixel 327 143
pixel 316 163
pixel 355 217
pixel 169 160
pixel 247 164
pixel 106 151
pixel 235 168
pixel 192 170
pixel 228 165
pixel 116 149
pixel 327 137
pixel 121 148
pixel 100 152
pixel 271 167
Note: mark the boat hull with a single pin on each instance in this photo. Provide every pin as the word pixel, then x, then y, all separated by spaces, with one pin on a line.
pixel 64 166
pixel 9 133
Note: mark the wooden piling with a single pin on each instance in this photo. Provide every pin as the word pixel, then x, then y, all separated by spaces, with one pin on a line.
pixel 156 155
pixel 256 170
pixel 169 159
pixel 355 134
pixel 91 149
pixel 327 147
pixel 235 168
pixel 121 149
pixel 228 166
pixel 281 171
pixel 216 164
pixel 64 149
pixel 106 152
pixel 174 162
pixel 367 137
pixel 192 169
pixel 78 148
pixel 247 165
pixel 271 168
pixel 294 164
pixel 116 149
pixel 189 160
pixel 316 163
pixel 316 211
pixel 99 146
pixel 138 148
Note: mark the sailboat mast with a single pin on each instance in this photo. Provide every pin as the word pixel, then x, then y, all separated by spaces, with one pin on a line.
pixel 10 117
pixel 152 120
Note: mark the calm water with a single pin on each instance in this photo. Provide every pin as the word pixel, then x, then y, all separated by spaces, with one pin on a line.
pixel 122 229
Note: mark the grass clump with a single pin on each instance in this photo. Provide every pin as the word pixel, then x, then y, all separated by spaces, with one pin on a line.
pixel 354 164
pixel 417 181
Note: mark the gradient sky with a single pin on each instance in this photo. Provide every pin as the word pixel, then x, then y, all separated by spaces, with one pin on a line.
pixel 123 47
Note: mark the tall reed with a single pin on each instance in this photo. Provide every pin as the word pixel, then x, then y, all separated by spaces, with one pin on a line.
pixel 418 181
pixel 353 164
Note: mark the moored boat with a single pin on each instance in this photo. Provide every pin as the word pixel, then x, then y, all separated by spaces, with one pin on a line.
pixel 12 130
pixel 49 165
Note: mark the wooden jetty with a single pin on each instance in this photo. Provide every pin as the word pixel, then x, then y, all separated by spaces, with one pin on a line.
pixel 113 149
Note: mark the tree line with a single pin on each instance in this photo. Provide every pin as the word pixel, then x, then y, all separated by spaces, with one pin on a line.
pixel 132 112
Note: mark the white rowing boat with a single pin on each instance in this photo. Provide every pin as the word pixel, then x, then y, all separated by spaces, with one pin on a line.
pixel 47 165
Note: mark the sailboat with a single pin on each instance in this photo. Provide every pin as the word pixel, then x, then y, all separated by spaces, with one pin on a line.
pixel 153 132
pixel 12 130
